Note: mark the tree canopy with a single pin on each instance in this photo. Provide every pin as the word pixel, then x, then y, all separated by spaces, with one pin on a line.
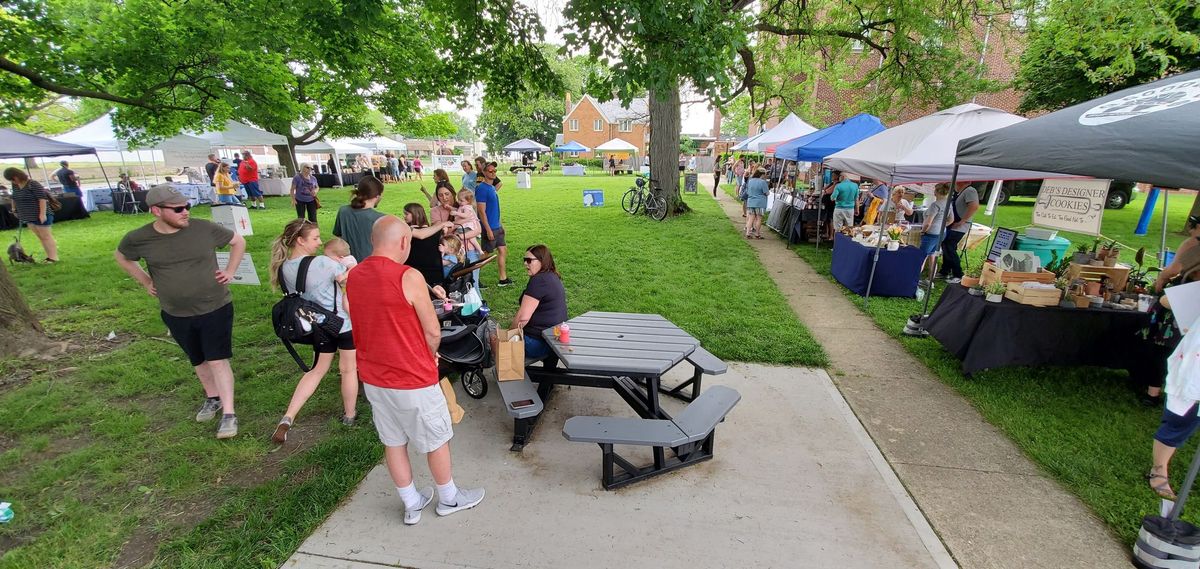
pixel 1080 51
pixel 172 66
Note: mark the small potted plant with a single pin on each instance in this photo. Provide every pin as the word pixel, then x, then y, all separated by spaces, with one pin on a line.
pixel 1082 255
pixel 1112 252
pixel 971 276
pixel 1097 260
pixel 995 292
pixel 1064 284
pixel 1081 300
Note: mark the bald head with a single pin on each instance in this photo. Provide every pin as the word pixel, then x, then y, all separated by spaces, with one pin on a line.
pixel 391 238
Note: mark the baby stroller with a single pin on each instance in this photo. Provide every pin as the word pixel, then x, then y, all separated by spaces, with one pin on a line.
pixel 466 347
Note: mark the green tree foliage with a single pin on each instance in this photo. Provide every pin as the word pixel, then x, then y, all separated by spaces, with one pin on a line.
pixel 538 116
pixel 687 145
pixel 1080 51
pixel 735 118
pixel 171 66
pixel 61 114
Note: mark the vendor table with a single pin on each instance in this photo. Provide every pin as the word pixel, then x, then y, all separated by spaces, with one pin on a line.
pixel 198 193
pixel 275 186
pixel 119 199
pixel 72 208
pixel 896 274
pixel 95 198
pixel 985 335
pixel 572 170
pixel 8 220
pixel 331 181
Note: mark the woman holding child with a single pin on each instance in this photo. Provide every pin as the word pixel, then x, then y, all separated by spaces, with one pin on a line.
pixel 323 285
pixel 442 202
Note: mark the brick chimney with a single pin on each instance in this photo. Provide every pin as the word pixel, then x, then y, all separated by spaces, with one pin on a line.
pixel 716 128
pixel 567 107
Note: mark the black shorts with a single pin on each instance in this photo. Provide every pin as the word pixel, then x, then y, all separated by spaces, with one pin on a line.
pixel 204 338
pixel 344 341
pixel 498 233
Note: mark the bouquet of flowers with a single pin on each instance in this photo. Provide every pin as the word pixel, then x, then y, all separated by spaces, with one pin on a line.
pixel 895 232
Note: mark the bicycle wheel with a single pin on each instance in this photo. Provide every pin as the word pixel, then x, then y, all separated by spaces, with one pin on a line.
pixel 656 207
pixel 630 201
pixel 474 383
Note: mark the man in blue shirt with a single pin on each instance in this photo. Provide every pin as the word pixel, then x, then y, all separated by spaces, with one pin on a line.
pixel 487 201
pixel 68 179
pixel 845 200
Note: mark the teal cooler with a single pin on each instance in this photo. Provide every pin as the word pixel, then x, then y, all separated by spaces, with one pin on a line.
pixel 1044 248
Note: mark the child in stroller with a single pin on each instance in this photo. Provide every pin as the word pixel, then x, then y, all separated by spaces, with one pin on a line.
pixel 466 347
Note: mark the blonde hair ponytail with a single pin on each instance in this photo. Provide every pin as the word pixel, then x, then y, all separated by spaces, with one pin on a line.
pixel 281 247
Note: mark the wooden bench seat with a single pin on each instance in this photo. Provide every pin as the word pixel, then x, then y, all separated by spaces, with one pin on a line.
pixel 690 436
pixel 705 364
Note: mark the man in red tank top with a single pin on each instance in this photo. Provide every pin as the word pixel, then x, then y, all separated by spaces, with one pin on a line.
pixel 396 333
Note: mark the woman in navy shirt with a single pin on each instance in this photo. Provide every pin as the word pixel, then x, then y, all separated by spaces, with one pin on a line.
pixel 544 302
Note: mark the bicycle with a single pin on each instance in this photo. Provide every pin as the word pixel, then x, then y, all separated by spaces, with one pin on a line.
pixel 639 197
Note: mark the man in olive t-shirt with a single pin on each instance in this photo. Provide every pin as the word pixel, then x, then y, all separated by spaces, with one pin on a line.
pixel 192 291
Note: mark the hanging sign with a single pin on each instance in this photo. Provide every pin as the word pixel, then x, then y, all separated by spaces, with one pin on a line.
pixel 1071 205
pixel 449 162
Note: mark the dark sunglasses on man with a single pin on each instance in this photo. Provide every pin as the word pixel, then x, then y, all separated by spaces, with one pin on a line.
pixel 177 208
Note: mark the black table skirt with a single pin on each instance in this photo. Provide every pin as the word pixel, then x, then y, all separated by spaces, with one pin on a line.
pixel 985 335
pixel 330 180
pixel 72 208
pixel 120 198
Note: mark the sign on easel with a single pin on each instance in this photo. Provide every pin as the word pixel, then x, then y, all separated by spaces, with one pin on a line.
pixel 1005 239
pixel 1071 205
pixel 233 217
pixel 690 181
pixel 245 275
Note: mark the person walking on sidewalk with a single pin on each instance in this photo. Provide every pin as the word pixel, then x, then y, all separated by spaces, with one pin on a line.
pixel 192 291
pixel 397 335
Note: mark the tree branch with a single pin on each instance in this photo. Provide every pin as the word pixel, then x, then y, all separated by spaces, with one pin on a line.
pixel 41 82
pixel 310 135
pixel 808 32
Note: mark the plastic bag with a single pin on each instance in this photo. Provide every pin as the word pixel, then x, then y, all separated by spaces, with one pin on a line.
pixel 471 302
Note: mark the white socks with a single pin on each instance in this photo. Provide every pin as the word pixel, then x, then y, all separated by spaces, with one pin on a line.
pixel 410 496
pixel 448 493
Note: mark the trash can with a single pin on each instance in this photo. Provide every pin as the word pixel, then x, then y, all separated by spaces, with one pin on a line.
pixel 1043 247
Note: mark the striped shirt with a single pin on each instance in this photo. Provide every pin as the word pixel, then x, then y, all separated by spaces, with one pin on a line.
pixel 26 200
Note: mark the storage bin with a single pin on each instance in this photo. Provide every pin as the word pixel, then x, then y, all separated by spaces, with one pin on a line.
pixel 1043 247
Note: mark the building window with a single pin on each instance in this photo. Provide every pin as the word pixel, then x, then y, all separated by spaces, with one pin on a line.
pixel 574 155
pixel 625 125
pixel 574 125
pixel 598 125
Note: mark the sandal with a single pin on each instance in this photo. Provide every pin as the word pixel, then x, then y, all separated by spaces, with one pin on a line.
pixel 759 237
pixel 1163 489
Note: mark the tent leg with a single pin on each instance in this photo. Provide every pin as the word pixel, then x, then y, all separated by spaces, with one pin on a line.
pixel 941 238
pixel 337 163
pixel 878 245
pixel 1162 246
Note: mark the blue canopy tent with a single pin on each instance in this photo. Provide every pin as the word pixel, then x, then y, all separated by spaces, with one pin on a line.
pixel 572 147
pixel 815 146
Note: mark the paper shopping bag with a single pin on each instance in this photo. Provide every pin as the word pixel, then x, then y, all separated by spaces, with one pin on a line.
pixel 510 355
pixel 456 410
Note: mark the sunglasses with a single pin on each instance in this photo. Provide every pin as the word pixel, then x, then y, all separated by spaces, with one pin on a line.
pixel 529 260
pixel 177 208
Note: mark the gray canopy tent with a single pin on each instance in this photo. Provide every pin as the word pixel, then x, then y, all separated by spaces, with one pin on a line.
pixel 14 144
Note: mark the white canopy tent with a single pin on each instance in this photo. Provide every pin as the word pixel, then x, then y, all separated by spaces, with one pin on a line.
pixel 239 134
pixel 745 144
pixel 617 145
pixel 790 128
pixel 336 147
pixel 101 135
pixel 378 143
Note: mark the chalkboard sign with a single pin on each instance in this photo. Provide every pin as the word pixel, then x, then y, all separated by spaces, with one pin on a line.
pixel 690 182
pixel 1005 239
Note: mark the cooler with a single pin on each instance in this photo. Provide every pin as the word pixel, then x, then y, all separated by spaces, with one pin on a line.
pixel 1043 247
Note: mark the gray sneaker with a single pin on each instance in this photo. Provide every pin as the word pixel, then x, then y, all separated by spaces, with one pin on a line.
pixel 208 410
pixel 411 517
pixel 228 427
pixel 466 499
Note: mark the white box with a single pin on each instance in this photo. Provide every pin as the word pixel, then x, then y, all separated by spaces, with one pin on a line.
pixel 524 181
pixel 235 217
pixel 1039 233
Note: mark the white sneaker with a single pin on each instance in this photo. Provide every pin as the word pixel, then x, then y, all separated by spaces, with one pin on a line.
pixel 411 517
pixel 465 500
pixel 953 280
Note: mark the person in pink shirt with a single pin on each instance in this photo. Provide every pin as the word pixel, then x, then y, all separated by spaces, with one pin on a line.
pixel 416 166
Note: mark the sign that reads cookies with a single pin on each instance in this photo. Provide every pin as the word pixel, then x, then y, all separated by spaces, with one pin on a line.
pixel 1071 205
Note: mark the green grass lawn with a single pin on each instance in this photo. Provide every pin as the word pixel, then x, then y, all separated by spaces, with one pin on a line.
pixel 99 448
pixel 1083 426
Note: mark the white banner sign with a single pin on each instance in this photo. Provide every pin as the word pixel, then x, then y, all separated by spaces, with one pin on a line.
pixel 1071 205
pixel 245 274
pixel 448 163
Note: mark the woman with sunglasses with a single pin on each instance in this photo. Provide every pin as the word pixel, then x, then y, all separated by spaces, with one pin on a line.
pixel 225 186
pixel 304 194
pixel 543 303
pixel 322 285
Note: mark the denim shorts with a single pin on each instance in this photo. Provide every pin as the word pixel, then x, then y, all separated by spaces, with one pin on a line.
pixel 1175 429
pixel 252 189
pixel 929 244
pixel 48 223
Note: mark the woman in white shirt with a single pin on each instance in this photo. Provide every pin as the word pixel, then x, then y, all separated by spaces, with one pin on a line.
pixel 902 207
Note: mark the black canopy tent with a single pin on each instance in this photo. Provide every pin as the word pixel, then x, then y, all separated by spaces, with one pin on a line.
pixel 14 144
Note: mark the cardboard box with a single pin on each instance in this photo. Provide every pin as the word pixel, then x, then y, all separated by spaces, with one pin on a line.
pixel 235 217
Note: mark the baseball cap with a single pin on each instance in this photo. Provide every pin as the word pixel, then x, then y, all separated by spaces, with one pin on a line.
pixel 164 193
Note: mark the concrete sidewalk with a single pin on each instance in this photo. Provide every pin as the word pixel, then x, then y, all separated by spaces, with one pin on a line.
pixel 989 503
pixel 795 482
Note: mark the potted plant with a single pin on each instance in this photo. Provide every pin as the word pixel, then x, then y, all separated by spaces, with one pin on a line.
pixel 1139 278
pixel 1096 259
pixel 1111 253
pixel 976 290
pixel 1064 284
pixel 1082 255
pixel 995 292
pixel 1058 266
pixel 1081 300
pixel 971 276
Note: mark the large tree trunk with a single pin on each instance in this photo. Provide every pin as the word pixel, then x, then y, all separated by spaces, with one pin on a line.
pixel 287 159
pixel 20 332
pixel 664 147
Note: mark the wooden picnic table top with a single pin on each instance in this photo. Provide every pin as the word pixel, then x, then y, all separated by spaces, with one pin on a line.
pixel 618 343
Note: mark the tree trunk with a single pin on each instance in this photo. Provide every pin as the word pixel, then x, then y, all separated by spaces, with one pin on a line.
pixel 19 329
pixel 287 159
pixel 664 147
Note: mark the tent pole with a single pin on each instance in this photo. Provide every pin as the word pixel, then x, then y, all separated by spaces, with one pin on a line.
pixel 107 182
pixel 1162 246
pixel 941 237
pixel 154 167
pixel 878 245
pixel 45 175
pixel 337 163
pixel 820 202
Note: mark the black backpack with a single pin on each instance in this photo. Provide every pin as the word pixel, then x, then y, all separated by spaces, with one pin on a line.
pixel 300 321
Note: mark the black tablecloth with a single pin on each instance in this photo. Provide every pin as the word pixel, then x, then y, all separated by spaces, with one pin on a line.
pixel 896 274
pixel 985 335
pixel 330 180
pixel 72 208
pixel 121 197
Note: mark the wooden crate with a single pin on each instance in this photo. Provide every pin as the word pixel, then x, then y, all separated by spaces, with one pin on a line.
pixel 1118 275
pixel 1033 296
pixel 993 274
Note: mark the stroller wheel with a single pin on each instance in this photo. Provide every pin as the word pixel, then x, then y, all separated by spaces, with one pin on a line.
pixel 474 383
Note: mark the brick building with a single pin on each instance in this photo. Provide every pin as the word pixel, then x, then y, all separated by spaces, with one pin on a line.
pixel 592 123
pixel 1002 40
